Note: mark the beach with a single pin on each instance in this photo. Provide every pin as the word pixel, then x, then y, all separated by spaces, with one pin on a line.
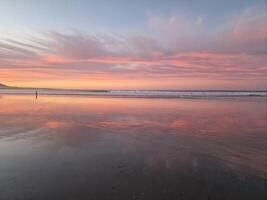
pixel 94 147
pixel 137 93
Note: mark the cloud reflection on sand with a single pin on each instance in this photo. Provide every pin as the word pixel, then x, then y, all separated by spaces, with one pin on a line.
pixel 225 129
pixel 154 137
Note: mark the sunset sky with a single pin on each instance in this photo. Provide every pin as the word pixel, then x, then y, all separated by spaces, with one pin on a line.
pixel 140 44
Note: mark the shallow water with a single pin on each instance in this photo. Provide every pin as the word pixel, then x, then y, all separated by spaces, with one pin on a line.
pixel 73 147
pixel 137 93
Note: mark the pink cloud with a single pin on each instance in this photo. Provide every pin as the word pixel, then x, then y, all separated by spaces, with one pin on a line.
pixel 54 59
pixel 246 32
pixel 178 47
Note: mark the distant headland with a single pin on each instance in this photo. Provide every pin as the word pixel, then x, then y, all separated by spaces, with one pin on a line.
pixel 3 86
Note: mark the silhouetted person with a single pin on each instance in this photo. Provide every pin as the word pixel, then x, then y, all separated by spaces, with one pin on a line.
pixel 36 94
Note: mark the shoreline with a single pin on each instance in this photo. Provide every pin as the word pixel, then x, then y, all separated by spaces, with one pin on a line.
pixel 136 93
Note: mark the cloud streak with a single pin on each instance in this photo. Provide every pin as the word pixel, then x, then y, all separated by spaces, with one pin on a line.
pixel 178 51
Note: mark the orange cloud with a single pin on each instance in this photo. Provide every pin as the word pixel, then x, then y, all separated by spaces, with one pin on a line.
pixel 58 124
pixel 54 59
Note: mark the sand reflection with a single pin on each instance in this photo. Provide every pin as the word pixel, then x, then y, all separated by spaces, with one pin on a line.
pixel 150 137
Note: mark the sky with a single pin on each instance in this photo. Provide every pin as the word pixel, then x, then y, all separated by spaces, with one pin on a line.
pixel 141 44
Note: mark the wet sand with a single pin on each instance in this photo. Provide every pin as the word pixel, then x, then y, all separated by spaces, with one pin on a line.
pixel 67 147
